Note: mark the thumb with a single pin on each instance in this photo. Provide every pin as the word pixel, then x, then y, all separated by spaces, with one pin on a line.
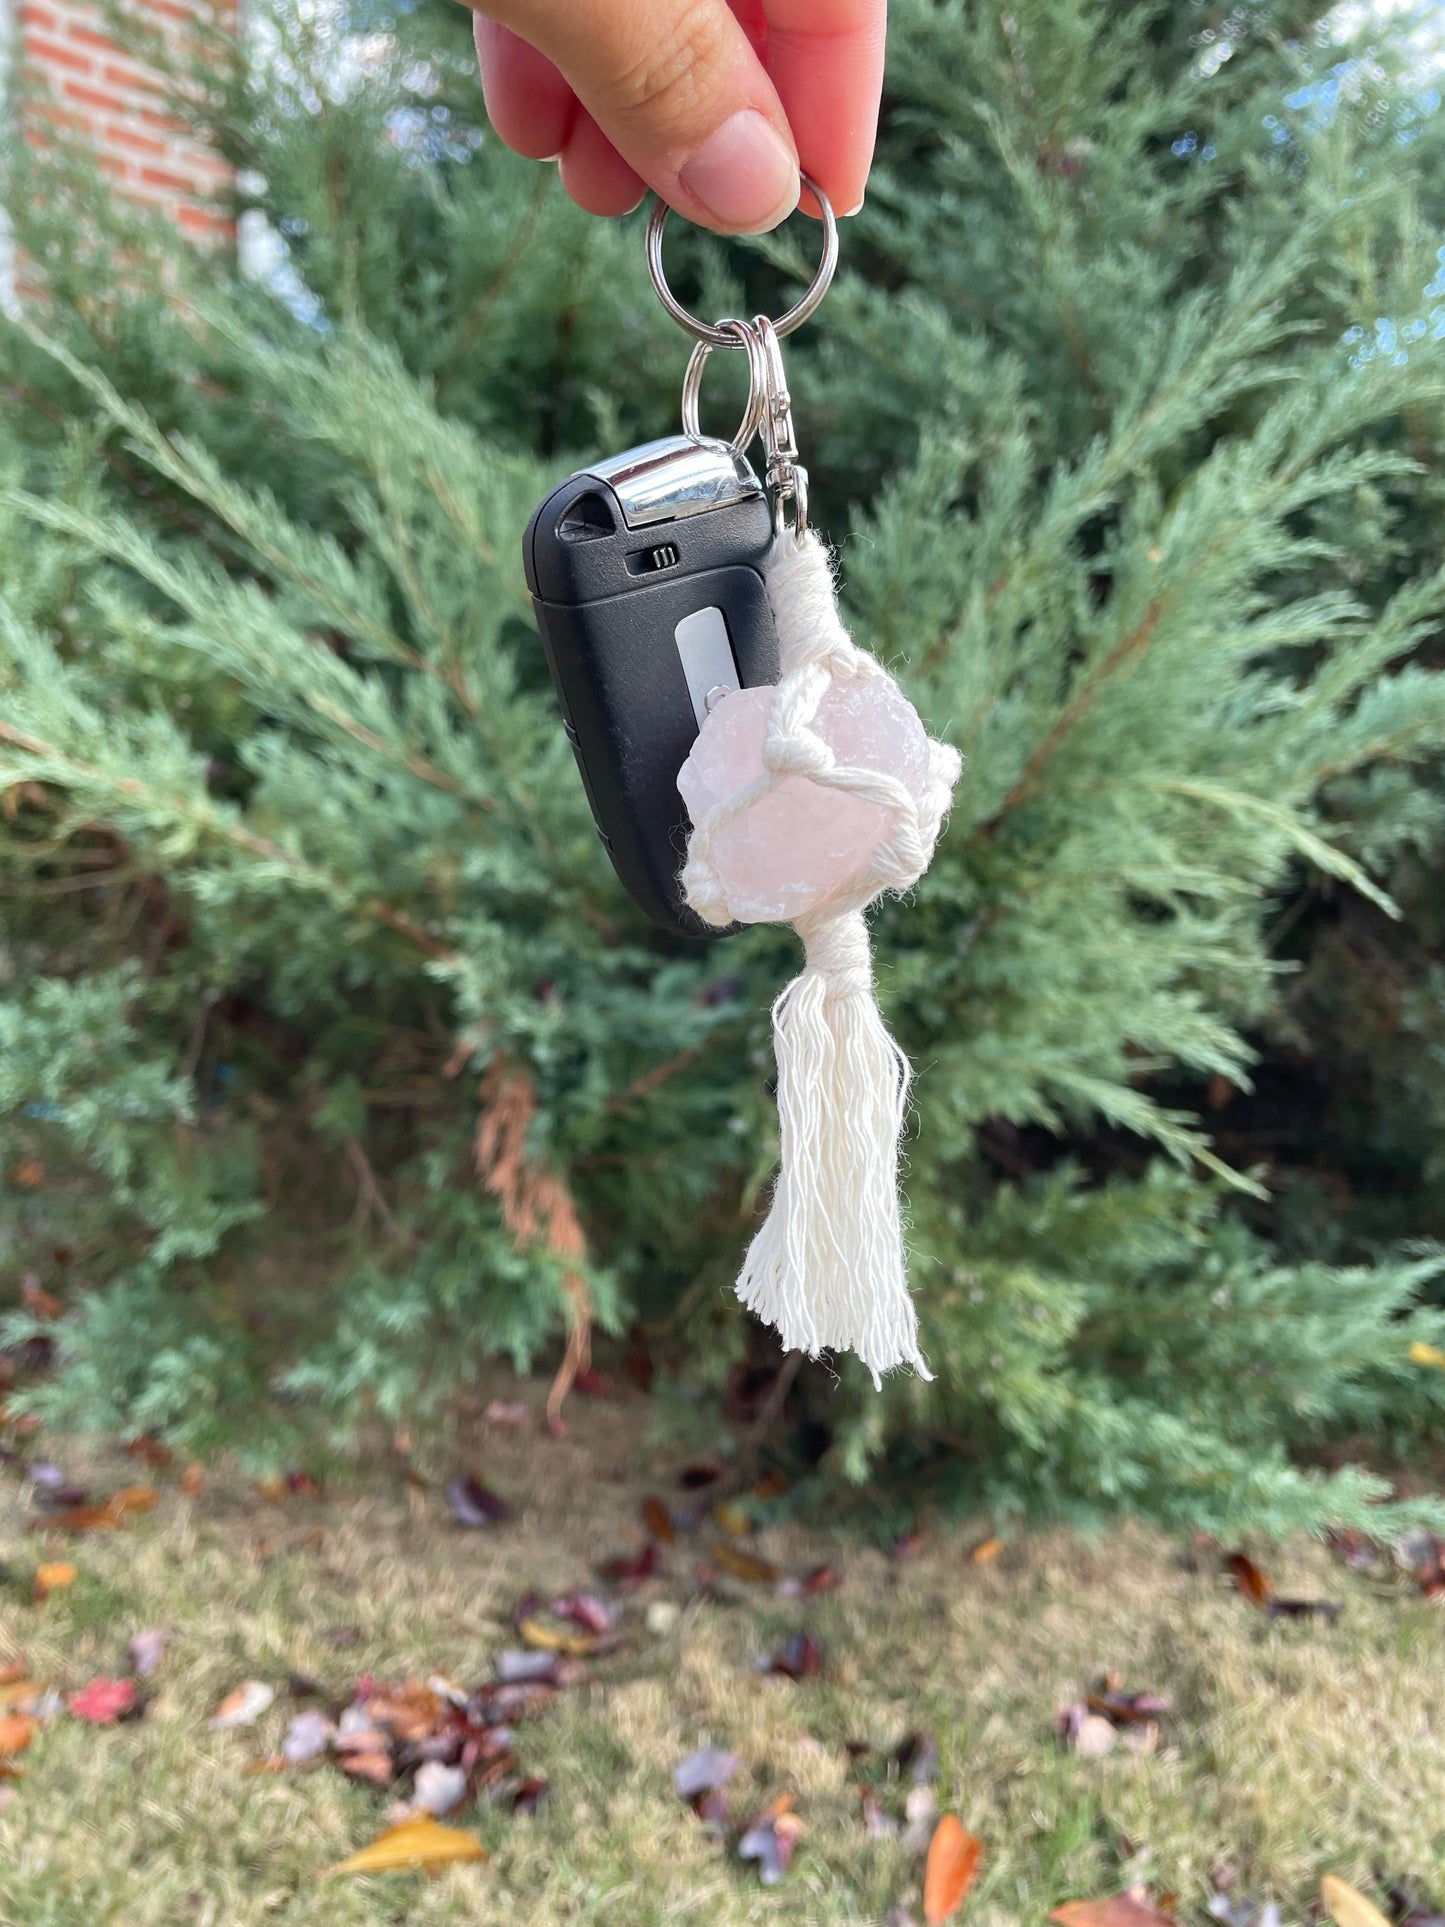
pixel 679 92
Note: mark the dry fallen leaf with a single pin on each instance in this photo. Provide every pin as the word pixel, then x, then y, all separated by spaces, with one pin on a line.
pixel 13 1670
pixel 419 1842
pixel 985 1552
pixel 1257 1586
pixel 474 1504
pixel 1347 1907
pixel 77 1518
pixel 54 1576
pixel 131 1498
pixel 243 1705
pixel 150 1451
pixel 744 1565
pixel 771 1838
pixel 953 1857
pixel 1119 1910
pixel 193 1479
pixel 17 1730
pixel 410 1711
pixel 658 1520
pixel 103 1701
pixel 554 1639
pixel 28 1175
pixel 100 1518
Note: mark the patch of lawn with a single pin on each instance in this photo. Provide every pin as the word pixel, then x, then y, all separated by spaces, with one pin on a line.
pixel 1295 1747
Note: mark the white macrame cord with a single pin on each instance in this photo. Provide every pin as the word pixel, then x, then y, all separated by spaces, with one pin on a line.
pixel 828 1267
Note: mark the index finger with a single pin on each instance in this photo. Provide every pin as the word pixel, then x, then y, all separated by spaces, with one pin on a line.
pixel 825 57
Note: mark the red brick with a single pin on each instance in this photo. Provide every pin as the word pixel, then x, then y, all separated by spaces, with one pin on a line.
pixel 115 135
pixel 77 90
pixel 50 53
pixel 204 220
pixel 166 123
pixel 136 79
pixel 31 15
pixel 163 177
pixel 89 37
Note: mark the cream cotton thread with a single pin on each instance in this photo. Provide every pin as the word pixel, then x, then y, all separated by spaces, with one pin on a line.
pixel 827 1268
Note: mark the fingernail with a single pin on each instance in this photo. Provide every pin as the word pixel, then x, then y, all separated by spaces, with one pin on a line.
pixel 744 174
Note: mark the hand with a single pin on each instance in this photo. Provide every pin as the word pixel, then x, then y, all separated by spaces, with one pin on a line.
pixel 712 103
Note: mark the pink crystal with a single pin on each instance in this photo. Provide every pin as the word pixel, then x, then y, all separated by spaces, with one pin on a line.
pixel 802 843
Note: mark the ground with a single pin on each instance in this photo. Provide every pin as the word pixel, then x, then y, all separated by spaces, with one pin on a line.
pixel 1296 1748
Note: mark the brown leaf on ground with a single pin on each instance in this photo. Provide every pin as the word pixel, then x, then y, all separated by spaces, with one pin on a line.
pixel 28 1175
pixel 151 1452
pixel 17 1730
pixel 1347 1907
pixel 1129 1709
pixel 475 1505
pixel 630 1569
pixel 119 1507
pixel 37 1300
pixel 953 1857
pixel 585 1609
pixel 985 1552
pixel 78 1518
pixel 1119 1910
pixel 746 1566
pixel 371 1765
pixel 409 1711
pixel 529 1795
pixel 800 1657
pixel 193 1479
pixel 131 1498
pixel 1257 1586
pixel 771 1838
pixel 13 1670
pixel 243 1705
pixel 53 1576
pixel 703 1472
pixel 419 1842
pixel 772 1485
pixel 658 1520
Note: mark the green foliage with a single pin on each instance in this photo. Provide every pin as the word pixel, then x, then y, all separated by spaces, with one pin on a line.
pixel 1134 490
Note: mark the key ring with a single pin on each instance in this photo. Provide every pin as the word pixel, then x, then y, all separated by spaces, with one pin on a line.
pixel 735 334
pixel 720 335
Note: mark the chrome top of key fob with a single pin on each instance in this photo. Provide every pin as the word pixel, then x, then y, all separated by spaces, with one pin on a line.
pixel 646 572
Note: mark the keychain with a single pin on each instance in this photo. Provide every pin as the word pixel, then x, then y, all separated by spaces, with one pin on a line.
pixel 746 763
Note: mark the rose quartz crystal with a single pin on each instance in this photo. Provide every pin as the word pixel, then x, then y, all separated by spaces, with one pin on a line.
pixel 802 843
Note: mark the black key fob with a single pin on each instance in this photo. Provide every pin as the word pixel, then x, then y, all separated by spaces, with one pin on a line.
pixel 646 573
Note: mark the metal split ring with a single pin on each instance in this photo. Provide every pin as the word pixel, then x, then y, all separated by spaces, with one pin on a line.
pixel 719 334
pixel 731 334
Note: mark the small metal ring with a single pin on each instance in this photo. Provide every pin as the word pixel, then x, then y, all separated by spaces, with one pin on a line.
pixel 734 334
pixel 716 336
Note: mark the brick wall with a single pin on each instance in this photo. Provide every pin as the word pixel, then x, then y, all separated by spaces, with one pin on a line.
pixel 115 104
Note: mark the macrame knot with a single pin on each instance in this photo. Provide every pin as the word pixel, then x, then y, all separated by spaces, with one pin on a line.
pixel 808 801
pixel 837 950
pixel 801 755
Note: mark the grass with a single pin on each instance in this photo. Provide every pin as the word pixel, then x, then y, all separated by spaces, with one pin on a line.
pixel 1297 1748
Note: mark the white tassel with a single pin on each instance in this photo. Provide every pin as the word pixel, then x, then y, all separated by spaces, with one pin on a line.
pixel 828 1266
